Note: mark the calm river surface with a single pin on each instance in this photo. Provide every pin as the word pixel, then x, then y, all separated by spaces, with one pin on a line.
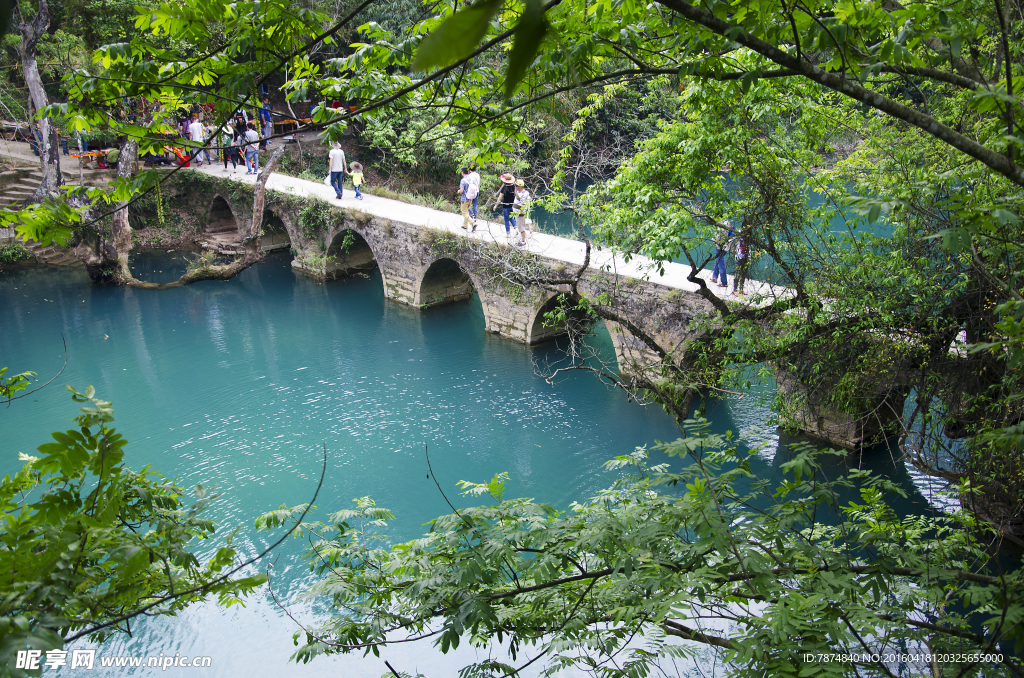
pixel 238 384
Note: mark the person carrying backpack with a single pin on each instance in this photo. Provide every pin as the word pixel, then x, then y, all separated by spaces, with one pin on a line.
pixel 474 179
pixel 468 193
pixel 506 196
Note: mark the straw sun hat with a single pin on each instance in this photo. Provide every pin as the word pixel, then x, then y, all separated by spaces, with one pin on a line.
pixel 355 167
pixel 508 179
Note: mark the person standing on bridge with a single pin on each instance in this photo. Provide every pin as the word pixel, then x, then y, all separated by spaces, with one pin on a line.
pixel 252 151
pixel 474 179
pixel 336 158
pixel 741 252
pixel 195 135
pixel 722 244
pixel 522 209
pixel 355 170
pixel 467 198
pixel 506 196
pixel 227 142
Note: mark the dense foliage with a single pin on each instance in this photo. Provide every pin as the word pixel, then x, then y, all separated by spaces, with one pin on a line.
pixel 773 577
pixel 87 544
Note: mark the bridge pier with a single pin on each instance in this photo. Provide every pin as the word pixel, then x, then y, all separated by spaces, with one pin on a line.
pixel 874 414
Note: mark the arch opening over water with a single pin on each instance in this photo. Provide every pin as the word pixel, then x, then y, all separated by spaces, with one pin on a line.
pixel 220 218
pixel 444 282
pixel 349 253
pixel 221 231
pixel 539 332
pixel 275 233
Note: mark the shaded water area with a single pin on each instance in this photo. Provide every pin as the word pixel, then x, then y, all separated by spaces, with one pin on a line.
pixel 238 384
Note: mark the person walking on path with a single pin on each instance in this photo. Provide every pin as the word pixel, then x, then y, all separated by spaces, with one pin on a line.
pixel 195 135
pixel 741 253
pixel 209 134
pixel 521 206
pixel 356 172
pixel 252 151
pixel 228 148
pixel 474 180
pixel 720 273
pixel 336 159
pixel 506 196
pixel 467 196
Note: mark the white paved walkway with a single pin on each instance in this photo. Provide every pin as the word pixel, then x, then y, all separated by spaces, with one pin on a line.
pixel 552 246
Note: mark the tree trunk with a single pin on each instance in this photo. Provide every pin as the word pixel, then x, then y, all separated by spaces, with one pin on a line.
pixel 259 199
pixel 49 147
pixel 120 231
pixel 106 260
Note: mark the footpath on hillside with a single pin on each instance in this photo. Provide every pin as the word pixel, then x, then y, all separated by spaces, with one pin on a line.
pixel 543 244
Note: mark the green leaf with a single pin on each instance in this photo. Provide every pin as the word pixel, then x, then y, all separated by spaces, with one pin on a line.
pixel 529 34
pixel 455 38
pixel 874 212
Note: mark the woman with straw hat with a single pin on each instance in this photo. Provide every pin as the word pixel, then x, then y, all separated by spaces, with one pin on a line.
pixel 506 196
pixel 522 208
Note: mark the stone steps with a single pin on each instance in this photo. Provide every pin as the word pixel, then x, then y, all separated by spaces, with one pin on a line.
pixel 223 242
pixel 15 194
pixel 53 256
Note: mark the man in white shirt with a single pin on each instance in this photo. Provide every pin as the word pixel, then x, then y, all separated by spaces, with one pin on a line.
pixel 252 150
pixel 337 167
pixel 195 135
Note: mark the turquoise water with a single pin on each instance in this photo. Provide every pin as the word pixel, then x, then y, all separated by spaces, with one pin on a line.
pixel 237 385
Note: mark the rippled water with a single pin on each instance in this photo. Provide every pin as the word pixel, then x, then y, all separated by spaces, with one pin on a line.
pixel 239 384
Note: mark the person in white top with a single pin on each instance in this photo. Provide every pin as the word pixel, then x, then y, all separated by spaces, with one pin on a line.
pixel 195 135
pixel 252 151
pixel 521 206
pixel 337 167
pixel 474 178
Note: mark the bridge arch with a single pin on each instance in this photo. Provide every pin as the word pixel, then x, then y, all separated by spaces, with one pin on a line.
pixel 276 230
pixel 442 281
pixel 221 217
pixel 224 226
pixel 538 332
pixel 348 252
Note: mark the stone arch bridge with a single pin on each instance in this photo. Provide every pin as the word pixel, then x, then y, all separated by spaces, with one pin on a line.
pixel 426 259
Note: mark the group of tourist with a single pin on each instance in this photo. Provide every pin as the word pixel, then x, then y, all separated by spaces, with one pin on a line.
pixel 737 245
pixel 512 198
pixel 239 141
